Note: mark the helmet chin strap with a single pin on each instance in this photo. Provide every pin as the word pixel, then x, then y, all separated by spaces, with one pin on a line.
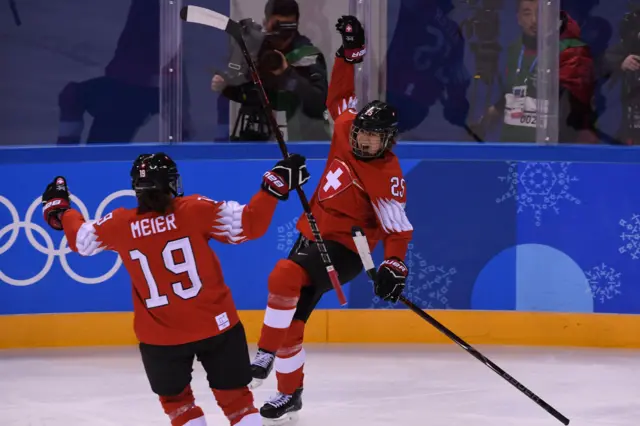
pixel 175 187
pixel 173 191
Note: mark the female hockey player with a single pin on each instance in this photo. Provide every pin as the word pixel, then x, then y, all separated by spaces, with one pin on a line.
pixel 362 185
pixel 182 307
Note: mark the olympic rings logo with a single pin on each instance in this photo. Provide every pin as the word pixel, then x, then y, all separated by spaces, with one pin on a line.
pixel 49 248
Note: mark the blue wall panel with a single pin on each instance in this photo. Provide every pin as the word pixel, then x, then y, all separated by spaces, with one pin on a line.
pixel 497 227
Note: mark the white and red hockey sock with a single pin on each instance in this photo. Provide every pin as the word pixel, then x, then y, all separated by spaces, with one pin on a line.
pixel 290 358
pixel 182 409
pixel 237 405
pixel 285 282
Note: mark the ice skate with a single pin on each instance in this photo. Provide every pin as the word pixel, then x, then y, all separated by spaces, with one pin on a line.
pixel 261 367
pixel 282 409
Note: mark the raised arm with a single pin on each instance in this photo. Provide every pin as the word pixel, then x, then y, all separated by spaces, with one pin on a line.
pixel 83 237
pixel 233 223
pixel 230 222
pixel 89 238
pixel 342 94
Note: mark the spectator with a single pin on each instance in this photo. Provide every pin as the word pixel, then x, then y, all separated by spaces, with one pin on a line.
pixel 127 96
pixel 518 105
pixel 294 73
pixel 419 77
pixel 622 63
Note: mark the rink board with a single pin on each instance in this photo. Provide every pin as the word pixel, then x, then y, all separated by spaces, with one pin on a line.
pixel 512 244
pixel 351 326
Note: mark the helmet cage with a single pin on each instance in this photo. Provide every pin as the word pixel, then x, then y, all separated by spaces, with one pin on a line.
pixel 387 138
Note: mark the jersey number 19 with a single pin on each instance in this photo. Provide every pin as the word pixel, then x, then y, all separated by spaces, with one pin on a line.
pixel 189 266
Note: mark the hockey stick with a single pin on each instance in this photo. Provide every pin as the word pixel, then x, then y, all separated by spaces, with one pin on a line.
pixel 14 10
pixel 201 15
pixel 367 261
pixel 471 133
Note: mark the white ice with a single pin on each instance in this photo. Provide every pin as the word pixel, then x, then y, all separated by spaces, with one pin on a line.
pixel 344 385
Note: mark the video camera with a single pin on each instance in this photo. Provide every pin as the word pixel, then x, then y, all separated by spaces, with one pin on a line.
pixel 252 123
pixel 261 46
pixel 484 24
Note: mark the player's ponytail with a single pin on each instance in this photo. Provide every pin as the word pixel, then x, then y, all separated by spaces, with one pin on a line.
pixel 154 201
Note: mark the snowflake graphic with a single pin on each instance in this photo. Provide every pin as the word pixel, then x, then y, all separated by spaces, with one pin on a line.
pixel 539 187
pixel 603 282
pixel 427 285
pixel 287 235
pixel 631 236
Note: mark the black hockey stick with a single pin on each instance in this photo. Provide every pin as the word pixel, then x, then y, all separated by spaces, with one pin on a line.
pixel 14 10
pixel 201 15
pixel 471 133
pixel 367 261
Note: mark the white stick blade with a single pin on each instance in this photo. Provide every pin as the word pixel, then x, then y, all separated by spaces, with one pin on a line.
pixel 204 16
pixel 362 246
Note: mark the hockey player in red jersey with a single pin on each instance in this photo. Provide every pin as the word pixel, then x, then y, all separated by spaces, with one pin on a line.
pixel 362 185
pixel 183 308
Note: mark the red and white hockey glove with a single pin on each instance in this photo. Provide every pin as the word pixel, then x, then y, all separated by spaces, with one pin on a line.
pixel 390 279
pixel 55 201
pixel 353 46
pixel 287 175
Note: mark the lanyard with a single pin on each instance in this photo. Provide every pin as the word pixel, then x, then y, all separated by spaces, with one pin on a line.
pixel 533 64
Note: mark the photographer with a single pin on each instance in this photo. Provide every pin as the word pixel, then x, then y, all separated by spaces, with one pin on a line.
pixel 518 104
pixel 294 74
pixel 622 62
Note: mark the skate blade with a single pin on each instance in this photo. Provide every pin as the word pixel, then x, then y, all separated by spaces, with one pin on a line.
pixel 287 419
pixel 255 383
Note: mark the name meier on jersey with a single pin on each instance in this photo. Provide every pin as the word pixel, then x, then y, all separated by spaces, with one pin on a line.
pixel 151 226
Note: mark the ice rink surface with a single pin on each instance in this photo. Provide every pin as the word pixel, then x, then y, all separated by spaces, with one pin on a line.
pixel 344 385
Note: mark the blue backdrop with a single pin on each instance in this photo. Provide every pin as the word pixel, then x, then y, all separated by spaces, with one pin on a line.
pixel 496 226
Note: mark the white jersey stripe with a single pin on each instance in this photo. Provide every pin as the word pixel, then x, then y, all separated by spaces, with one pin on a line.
pixel 348 105
pixel 230 222
pixel 391 215
pixel 87 241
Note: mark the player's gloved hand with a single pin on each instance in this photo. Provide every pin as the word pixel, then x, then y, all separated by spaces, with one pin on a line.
pixel 287 175
pixel 353 46
pixel 55 201
pixel 390 279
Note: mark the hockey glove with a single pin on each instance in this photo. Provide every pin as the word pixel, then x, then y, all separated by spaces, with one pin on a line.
pixel 287 175
pixel 390 279
pixel 55 201
pixel 353 46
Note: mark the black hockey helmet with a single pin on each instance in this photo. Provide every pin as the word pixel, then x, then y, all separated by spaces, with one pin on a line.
pixel 157 172
pixel 376 117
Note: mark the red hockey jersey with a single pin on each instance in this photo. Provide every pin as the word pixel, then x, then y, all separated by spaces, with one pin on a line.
pixel 370 194
pixel 179 292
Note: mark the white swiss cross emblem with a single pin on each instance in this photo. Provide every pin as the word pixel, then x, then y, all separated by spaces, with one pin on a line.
pixel 337 179
pixel 333 180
